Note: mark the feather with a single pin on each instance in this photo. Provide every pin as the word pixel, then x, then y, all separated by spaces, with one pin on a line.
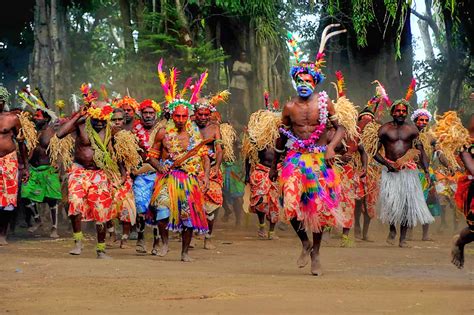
pixel 173 83
pixel 293 43
pixel 184 90
pixel 340 83
pixel 104 93
pixel 85 88
pixel 222 96
pixel 197 87
pixel 266 96
pixel 411 90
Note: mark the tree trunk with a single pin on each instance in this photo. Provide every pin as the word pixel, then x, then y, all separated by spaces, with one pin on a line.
pixel 127 25
pixel 426 39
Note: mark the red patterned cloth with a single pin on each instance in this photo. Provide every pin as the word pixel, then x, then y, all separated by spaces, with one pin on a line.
pixel 124 202
pixel 370 192
pixel 9 180
pixel 264 194
pixel 213 198
pixel 348 195
pixel 464 194
pixel 90 194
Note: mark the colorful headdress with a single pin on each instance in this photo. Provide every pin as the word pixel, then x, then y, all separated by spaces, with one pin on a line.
pixel 423 111
pixel 406 100
pixel 100 112
pixel 377 101
pixel 170 88
pixel 213 101
pixel 88 95
pixel 150 103
pixel 36 101
pixel 127 100
pixel 309 67
pixel 275 106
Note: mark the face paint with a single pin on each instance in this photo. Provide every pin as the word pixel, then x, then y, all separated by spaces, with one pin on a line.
pixel 39 119
pixel 180 116
pixel 422 121
pixel 305 85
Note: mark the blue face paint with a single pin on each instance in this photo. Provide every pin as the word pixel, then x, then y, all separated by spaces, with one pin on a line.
pixel 304 89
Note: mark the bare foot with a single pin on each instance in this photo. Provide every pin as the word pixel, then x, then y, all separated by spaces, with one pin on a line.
pixel 124 244
pixel 272 236
pixel 3 241
pixel 77 248
pixel 192 244
pixel 367 239
pixel 315 265
pixel 54 233
pixel 391 238
pixel 35 227
pixel 303 260
pixel 404 244
pixel 186 258
pixel 140 247
pixel 357 233
pixel 457 253
pixel 103 255
pixel 427 239
pixel 208 244
pixel 163 251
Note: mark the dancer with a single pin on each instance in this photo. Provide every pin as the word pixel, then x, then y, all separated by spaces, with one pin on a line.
pixel 310 186
pixel 454 139
pixel 352 157
pixel 422 117
pixel 177 154
pixel 44 184
pixel 213 198
pixel 130 106
pixel 95 170
pixel 12 165
pixel 145 129
pixel 258 153
pixel 124 200
pixel 401 196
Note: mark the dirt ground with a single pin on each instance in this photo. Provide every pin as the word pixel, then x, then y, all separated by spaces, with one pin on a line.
pixel 243 276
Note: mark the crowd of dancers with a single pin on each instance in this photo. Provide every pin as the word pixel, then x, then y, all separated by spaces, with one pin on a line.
pixel 315 163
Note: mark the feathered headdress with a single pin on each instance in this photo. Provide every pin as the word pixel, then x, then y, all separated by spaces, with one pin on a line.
pixel 90 97
pixel 423 111
pixel 340 84
pixel 36 101
pixel 406 100
pixel 213 100
pixel 170 88
pixel 377 102
pixel 312 68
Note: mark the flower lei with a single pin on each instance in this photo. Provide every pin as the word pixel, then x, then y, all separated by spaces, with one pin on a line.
pixel 101 113
pixel 310 144
pixel 142 134
pixel 191 165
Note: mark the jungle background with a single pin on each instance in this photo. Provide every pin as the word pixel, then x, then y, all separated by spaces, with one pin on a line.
pixel 56 45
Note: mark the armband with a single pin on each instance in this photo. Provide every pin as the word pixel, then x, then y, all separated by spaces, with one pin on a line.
pixel 279 151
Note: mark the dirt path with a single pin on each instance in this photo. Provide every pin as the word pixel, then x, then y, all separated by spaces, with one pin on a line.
pixel 243 276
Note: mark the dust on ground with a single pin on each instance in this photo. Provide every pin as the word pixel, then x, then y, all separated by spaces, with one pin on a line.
pixel 243 276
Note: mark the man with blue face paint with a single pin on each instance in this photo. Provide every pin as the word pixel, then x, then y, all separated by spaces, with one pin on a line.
pixel 309 184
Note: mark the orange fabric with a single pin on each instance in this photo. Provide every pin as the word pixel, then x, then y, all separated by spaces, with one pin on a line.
pixel 124 202
pixel 461 197
pixel 213 198
pixel 9 180
pixel 347 196
pixel 264 194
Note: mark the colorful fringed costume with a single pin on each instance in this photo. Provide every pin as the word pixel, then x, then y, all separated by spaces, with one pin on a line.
pixel 430 193
pixel 348 196
pixel 234 186
pixel 177 193
pixel 310 187
pixel 213 197
pixel 9 180
pixel 464 196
